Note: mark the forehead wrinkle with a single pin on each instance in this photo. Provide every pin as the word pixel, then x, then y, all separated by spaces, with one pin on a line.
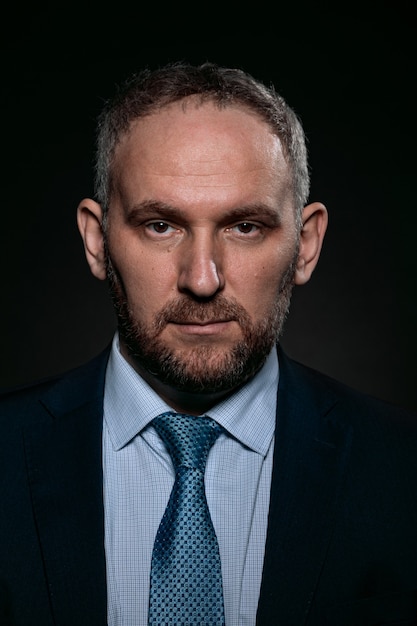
pixel 219 179
pixel 225 171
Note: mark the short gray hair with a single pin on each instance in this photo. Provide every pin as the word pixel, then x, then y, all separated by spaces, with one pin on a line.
pixel 148 91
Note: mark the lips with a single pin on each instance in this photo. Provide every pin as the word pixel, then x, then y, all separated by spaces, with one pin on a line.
pixel 200 322
pixel 207 328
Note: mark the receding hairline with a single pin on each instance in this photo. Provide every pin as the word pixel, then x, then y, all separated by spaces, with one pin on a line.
pixel 185 103
pixel 149 91
pixel 197 101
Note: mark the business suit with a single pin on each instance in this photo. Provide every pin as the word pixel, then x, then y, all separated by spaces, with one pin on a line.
pixel 342 535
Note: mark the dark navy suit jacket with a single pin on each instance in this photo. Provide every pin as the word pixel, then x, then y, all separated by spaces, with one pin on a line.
pixel 341 546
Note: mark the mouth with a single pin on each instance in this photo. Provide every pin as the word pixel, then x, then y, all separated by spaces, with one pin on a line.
pixel 199 327
pixel 197 322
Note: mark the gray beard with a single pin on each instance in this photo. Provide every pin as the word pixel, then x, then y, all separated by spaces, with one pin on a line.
pixel 204 370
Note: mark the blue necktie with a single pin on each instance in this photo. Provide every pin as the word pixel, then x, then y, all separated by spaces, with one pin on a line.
pixel 186 580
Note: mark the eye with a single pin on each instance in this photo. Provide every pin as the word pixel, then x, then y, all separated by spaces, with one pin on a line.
pixel 246 227
pixel 159 228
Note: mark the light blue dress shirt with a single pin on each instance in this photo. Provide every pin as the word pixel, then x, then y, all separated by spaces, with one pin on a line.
pixel 138 478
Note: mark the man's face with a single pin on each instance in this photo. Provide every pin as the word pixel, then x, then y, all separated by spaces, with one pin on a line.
pixel 201 245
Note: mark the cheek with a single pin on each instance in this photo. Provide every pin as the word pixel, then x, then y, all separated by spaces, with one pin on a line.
pixel 148 286
pixel 260 283
pixel 257 290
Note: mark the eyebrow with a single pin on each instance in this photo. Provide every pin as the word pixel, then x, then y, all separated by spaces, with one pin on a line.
pixel 153 208
pixel 149 208
pixel 257 211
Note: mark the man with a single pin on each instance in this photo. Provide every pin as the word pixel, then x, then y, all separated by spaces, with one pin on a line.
pixel 201 226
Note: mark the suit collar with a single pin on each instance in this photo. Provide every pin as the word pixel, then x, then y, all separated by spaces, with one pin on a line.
pixel 311 449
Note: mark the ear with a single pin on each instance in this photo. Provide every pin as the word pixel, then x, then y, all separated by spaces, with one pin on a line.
pixel 314 227
pixel 89 220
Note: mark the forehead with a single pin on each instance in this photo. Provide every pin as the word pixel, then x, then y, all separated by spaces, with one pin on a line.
pixel 201 147
pixel 190 123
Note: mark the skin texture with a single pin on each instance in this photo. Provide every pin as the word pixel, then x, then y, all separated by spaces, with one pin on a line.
pixel 201 248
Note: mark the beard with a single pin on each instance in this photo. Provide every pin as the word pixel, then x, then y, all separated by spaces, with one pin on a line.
pixel 204 368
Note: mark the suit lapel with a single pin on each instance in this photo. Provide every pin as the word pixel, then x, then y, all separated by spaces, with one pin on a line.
pixel 65 475
pixel 311 449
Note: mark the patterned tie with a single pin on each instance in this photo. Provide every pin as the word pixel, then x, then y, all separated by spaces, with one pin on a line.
pixel 186 579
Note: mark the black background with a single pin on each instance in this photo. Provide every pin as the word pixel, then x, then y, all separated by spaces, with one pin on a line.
pixel 348 71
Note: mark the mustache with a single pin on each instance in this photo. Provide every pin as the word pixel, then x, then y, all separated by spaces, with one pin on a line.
pixel 187 311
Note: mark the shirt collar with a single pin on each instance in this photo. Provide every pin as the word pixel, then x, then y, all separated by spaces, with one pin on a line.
pixel 248 415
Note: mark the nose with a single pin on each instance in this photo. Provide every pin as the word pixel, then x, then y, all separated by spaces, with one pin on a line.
pixel 200 267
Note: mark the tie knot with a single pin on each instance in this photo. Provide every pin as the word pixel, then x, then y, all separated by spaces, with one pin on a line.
pixel 187 437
